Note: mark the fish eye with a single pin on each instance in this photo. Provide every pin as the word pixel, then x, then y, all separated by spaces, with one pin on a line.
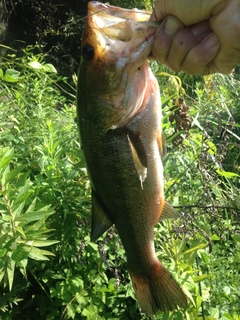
pixel 87 52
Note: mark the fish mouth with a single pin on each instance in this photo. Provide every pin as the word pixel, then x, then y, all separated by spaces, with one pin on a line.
pixel 120 33
pixel 115 46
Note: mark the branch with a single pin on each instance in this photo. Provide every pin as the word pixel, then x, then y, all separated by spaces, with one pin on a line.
pixel 206 207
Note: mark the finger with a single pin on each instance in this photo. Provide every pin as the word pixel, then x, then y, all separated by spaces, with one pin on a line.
pixel 200 58
pixel 163 41
pixel 185 48
pixel 184 42
pixel 225 61
pixel 188 11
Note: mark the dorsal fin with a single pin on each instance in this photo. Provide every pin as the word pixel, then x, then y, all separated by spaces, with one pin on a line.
pixel 100 220
pixel 168 212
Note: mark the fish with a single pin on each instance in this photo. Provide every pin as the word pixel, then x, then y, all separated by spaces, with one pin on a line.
pixel 119 118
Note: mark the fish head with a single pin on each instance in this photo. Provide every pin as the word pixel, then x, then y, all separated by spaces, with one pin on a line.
pixel 113 68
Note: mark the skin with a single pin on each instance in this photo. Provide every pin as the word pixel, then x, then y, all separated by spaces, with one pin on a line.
pixel 199 37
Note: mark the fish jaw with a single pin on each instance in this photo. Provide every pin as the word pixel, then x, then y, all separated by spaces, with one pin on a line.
pixel 115 78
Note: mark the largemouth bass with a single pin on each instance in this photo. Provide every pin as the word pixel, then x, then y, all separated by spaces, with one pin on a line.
pixel 119 116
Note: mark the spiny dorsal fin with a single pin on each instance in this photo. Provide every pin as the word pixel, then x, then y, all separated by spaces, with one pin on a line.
pixel 100 220
pixel 168 212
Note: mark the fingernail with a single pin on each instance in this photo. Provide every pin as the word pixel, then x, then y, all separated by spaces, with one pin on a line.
pixel 200 28
pixel 172 25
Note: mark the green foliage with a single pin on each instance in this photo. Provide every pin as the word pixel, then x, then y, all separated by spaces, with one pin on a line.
pixel 23 231
pixel 49 269
pixel 202 179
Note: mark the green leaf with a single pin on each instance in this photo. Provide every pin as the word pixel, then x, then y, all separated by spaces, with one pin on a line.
pixel 93 245
pixel 21 199
pixel 22 252
pixel 13 173
pixel 40 255
pixel 44 243
pixel 227 316
pixel 212 148
pixel 3 252
pixel 189 294
pixel 23 193
pixel 23 267
pixel 11 75
pixel 20 230
pixel 32 205
pixel 198 301
pixel 237 258
pixel 35 64
pixel 5 161
pixel 112 285
pixel 201 277
pixel 82 297
pixel 200 246
pixel 33 216
pixel 71 310
pixel 49 68
pixel 3 238
pixel 6 217
pixel 10 272
pixel 1 74
pixel 45 67
pixel 17 209
pixel 236 237
pixel 214 237
pixel 215 313
pixel 227 290
pixel 227 174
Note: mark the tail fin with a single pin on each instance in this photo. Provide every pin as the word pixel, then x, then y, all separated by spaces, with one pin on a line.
pixel 158 291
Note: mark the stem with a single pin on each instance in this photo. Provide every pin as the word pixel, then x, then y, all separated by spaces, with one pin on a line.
pixel 200 291
pixel 206 207
pixel 9 210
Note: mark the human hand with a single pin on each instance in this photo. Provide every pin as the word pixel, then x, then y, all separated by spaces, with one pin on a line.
pixel 199 37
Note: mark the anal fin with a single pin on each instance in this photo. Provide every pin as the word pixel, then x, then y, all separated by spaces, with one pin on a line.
pixel 100 220
pixel 168 212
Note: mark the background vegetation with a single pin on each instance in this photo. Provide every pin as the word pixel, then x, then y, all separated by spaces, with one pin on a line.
pixel 49 269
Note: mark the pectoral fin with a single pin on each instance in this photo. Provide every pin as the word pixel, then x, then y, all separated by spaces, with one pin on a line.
pixel 139 155
pixel 136 141
pixel 168 212
pixel 162 144
pixel 100 220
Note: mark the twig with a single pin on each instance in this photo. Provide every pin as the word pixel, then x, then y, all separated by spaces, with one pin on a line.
pixel 200 291
pixel 207 207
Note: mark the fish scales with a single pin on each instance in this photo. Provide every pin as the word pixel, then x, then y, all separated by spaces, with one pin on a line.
pixel 119 187
pixel 119 116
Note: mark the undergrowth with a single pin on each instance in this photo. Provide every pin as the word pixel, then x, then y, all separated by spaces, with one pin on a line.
pixel 49 269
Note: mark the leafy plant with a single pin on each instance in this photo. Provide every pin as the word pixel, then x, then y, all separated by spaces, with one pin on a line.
pixel 23 231
pixel 49 269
